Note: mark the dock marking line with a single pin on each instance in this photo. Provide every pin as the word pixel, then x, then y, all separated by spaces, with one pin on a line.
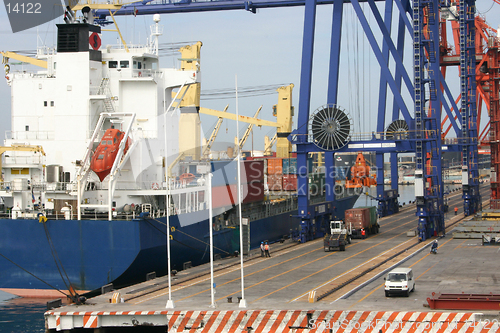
pixel 268 267
pixel 328 267
pixel 286 272
pixel 405 215
pixel 360 253
pixel 339 276
pixel 237 268
pixel 383 284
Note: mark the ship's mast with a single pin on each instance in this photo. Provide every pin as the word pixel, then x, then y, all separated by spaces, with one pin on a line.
pixel 156 32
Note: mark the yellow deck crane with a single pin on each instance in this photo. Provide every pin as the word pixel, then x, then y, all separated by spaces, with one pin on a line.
pixel 283 111
pixel 268 144
pixel 3 149
pixel 248 131
pixel 211 140
pixel 189 124
pixel 12 55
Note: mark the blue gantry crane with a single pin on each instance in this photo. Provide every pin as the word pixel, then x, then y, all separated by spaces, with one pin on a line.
pixel 414 124
pixel 468 107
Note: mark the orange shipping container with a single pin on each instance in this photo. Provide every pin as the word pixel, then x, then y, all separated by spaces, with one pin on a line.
pixel 274 166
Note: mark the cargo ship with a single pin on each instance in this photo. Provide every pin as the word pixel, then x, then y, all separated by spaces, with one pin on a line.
pixel 93 172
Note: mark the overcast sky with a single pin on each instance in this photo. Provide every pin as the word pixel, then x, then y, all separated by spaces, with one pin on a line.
pixel 262 49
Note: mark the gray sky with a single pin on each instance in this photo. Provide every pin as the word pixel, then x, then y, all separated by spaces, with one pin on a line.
pixel 260 49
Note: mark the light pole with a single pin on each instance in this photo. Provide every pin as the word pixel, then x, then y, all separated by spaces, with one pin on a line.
pixel 243 301
pixel 170 302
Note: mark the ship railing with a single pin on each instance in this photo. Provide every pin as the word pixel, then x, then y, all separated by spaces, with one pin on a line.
pixel 132 47
pixel 28 74
pixel 23 160
pixel 5 186
pixel 272 208
pixel 59 186
pixel 178 184
pixel 29 135
pixel 45 51
pixel 38 186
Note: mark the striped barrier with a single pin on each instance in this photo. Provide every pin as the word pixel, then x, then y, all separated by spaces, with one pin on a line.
pixel 256 321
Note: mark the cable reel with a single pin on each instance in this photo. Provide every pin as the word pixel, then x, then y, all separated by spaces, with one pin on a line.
pixel 397 130
pixel 330 127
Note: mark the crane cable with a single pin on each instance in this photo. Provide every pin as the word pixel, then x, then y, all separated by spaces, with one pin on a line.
pixel 179 231
pixel 73 294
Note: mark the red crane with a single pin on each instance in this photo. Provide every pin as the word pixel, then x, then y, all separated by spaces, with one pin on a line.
pixel 487 78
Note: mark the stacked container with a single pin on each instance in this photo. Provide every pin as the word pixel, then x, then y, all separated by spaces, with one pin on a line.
pixel 225 182
pixel 275 174
pixel 290 182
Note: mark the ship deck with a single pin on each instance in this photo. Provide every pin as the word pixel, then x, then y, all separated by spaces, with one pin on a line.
pixel 301 287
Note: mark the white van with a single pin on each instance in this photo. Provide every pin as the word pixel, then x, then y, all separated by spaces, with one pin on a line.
pixel 399 281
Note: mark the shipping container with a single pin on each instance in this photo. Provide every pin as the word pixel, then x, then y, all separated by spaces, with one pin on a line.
pixel 289 165
pixel 255 192
pixel 373 212
pixel 362 218
pixel 274 166
pixel 275 182
pixel 226 172
pixel 254 170
pixel 290 182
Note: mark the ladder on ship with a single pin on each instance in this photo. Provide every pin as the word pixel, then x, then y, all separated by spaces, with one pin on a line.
pixel 105 90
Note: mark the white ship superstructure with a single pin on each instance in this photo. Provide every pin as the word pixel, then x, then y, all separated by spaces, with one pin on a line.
pixel 86 89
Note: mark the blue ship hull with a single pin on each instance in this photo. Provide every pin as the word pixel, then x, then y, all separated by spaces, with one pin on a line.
pixel 94 253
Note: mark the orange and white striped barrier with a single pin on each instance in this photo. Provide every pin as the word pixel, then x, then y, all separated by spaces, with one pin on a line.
pixel 256 321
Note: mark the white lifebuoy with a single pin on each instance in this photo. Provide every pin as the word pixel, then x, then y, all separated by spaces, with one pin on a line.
pixel 155 186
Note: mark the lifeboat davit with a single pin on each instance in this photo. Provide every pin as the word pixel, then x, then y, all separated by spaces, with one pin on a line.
pixel 105 153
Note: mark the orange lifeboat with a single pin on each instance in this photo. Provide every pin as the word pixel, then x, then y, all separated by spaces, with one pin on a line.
pixel 186 178
pixel 105 153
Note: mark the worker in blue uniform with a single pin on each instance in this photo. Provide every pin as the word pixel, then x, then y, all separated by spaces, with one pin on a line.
pixel 434 247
